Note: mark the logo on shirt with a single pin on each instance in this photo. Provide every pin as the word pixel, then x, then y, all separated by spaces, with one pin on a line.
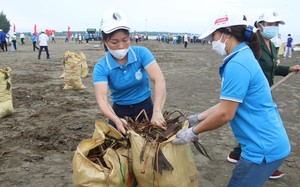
pixel 138 75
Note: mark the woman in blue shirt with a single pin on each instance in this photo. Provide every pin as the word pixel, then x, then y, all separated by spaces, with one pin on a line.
pixel 246 102
pixel 126 71
pixel 34 39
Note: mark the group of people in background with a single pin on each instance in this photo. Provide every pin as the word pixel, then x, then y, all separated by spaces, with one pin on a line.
pixel 180 38
pixel 287 52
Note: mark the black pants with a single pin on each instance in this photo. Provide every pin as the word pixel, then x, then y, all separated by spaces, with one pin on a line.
pixel 22 40
pixel 133 111
pixel 14 44
pixel 41 49
pixel 4 44
pixel 185 44
pixel 34 46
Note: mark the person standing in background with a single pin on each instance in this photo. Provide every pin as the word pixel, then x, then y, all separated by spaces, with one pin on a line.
pixel 13 39
pixel 87 37
pixel 136 37
pixel 80 38
pixel 22 37
pixel 53 38
pixel 33 39
pixel 67 38
pixel 3 40
pixel 278 42
pixel 288 47
pixel 185 40
pixel 43 41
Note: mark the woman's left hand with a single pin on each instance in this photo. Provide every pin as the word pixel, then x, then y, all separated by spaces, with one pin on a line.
pixel 158 119
pixel 295 68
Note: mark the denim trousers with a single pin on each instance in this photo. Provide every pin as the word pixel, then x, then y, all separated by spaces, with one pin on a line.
pixel 250 174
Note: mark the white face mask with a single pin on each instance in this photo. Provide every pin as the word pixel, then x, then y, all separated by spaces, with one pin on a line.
pixel 219 47
pixel 119 54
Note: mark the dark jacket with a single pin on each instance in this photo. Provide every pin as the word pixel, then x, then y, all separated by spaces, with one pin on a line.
pixel 269 61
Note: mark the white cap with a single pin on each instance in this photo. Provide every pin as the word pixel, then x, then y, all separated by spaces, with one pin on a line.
pixel 0 29
pixel 223 20
pixel 42 30
pixel 269 15
pixel 113 20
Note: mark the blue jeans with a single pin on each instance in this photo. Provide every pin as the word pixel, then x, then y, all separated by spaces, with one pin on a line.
pixel 250 174
pixel 133 111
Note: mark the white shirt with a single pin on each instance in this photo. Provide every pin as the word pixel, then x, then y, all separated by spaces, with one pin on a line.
pixel 278 42
pixel 43 39
pixel 185 37
pixel 22 35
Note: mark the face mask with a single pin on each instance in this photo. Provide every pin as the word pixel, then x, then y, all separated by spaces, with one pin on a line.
pixel 219 47
pixel 119 54
pixel 270 31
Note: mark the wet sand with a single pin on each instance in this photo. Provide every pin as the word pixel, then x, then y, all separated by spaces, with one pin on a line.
pixel 38 141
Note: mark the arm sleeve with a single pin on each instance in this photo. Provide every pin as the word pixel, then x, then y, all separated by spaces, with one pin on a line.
pixel 282 70
pixel 147 57
pixel 235 82
pixel 99 74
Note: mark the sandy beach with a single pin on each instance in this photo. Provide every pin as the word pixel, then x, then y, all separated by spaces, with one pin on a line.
pixel 37 142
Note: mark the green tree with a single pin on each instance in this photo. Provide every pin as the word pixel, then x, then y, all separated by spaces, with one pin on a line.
pixel 4 23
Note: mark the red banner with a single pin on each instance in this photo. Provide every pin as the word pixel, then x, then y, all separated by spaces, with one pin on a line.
pixel 69 33
pixel 34 30
pixel 14 28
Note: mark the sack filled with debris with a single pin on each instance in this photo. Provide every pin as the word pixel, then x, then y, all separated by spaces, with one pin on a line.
pixel 158 162
pixel 84 66
pixel 103 160
pixel 72 71
pixel 6 104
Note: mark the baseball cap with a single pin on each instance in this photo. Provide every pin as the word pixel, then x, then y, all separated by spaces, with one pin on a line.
pixel 225 19
pixel 113 20
pixel 269 15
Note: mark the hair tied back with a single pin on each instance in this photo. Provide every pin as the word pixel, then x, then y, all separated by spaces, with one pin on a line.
pixel 248 31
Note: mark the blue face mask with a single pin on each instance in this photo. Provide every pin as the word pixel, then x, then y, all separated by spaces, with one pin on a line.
pixel 270 31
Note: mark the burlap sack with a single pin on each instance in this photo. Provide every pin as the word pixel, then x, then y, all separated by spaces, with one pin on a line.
pixel 72 71
pixel 118 172
pixel 281 49
pixel 184 171
pixel 6 104
pixel 84 66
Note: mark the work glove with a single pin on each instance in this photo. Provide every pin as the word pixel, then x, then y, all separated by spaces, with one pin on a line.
pixel 193 120
pixel 185 136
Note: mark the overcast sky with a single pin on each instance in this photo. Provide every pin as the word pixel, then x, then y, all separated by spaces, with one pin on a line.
pixel 190 16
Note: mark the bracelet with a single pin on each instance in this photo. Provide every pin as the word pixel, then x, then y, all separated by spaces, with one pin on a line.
pixel 194 131
pixel 198 120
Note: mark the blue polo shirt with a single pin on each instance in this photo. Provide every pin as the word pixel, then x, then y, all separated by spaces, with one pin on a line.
pixel 128 84
pixel 257 124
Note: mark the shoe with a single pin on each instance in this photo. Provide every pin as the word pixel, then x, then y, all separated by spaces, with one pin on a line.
pixel 277 174
pixel 39 58
pixel 48 58
pixel 232 158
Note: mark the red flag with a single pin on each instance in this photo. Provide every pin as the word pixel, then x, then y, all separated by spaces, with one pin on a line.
pixel 34 30
pixel 69 33
pixel 14 28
